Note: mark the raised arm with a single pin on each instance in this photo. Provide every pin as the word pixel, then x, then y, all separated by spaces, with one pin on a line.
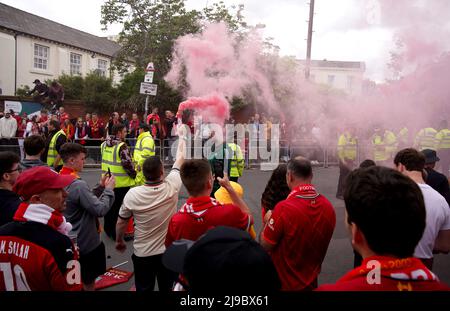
pixel 224 182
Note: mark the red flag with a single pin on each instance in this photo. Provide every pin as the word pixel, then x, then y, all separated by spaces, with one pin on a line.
pixel 112 277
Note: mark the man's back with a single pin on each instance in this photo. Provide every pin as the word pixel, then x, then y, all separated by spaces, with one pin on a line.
pixel 26 163
pixel 152 206
pixel 438 182
pixel 437 219
pixel 198 215
pixel 8 127
pixel 407 274
pixel 300 229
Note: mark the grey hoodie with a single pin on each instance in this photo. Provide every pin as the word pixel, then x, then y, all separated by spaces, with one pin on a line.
pixel 83 209
pixel 26 164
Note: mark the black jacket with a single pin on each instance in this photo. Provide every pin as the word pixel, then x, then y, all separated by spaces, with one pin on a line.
pixel 438 182
pixel 9 202
pixel 42 89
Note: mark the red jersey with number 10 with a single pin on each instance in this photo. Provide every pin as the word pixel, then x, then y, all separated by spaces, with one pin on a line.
pixel 35 257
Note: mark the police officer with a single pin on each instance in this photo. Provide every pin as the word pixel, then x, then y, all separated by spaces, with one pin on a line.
pixel 236 159
pixel 380 156
pixel 443 147
pixel 403 138
pixel 347 150
pixel 116 157
pixel 426 139
pixel 55 140
pixel 391 144
pixel 145 148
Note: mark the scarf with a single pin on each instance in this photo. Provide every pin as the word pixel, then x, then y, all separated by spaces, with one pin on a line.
pixel 94 126
pixel 134 127
pixel 68 171
pixel 43 214
pixel 97 127
pixel 394 268
pixel 81 131
pixel 151 119
pixel 304 191
pixel 68 129
pixel 81 134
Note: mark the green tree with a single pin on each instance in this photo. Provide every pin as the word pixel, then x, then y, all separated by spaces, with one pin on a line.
pixel 23 91
pixel 150 27
pixel 128 89
pixel 73 86
pixel 98 92
pixel 232 16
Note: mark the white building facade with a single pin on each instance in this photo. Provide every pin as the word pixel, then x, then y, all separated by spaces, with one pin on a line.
pixel 42 49
pixel 341 75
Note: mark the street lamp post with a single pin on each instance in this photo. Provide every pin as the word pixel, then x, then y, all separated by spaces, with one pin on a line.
pixel 310 32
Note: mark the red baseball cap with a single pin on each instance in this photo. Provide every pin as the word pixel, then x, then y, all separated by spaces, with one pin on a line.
pixel 38 179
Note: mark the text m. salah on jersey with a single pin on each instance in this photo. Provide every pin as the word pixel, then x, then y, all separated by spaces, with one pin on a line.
pixel 14 248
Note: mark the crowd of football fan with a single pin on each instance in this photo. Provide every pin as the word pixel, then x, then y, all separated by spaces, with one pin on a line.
pixel 49 215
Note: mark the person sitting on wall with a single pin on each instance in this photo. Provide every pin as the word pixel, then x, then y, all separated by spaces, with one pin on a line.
pixel 41 89
pixel 56 95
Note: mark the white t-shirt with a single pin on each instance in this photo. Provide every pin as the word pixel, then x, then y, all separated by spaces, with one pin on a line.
pixel 152 207
pixel 438 218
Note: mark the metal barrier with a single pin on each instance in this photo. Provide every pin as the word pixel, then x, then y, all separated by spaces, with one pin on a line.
pixel 321 155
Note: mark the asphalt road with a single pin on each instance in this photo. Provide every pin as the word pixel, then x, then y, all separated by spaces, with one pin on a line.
pixel 339 257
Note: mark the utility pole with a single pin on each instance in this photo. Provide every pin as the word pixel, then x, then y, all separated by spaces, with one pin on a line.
pixel 310 32
pixel 146 107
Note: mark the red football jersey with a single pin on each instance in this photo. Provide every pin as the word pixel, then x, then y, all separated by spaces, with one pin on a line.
pixel 379 273
pixel 36 257
pixel 200 214
pixel 300 230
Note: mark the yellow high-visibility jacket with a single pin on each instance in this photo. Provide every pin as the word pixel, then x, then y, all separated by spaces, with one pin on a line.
pixel 237 161
pixel 443 139
pixel 379 148
pixel 426 139
pixel 111 160
pixel 145 148
pixel 347 147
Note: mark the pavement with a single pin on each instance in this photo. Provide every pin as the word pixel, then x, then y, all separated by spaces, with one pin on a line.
pixel 339 258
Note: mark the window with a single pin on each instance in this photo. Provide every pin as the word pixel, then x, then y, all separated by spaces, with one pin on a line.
pixel 102 67
pixel 349 83
pixel 41 56
pixel 330 80
pixel 75 64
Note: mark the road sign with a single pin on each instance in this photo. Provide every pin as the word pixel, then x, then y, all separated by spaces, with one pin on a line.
pixel 149 77
pixel 148 88
pixel 150 67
